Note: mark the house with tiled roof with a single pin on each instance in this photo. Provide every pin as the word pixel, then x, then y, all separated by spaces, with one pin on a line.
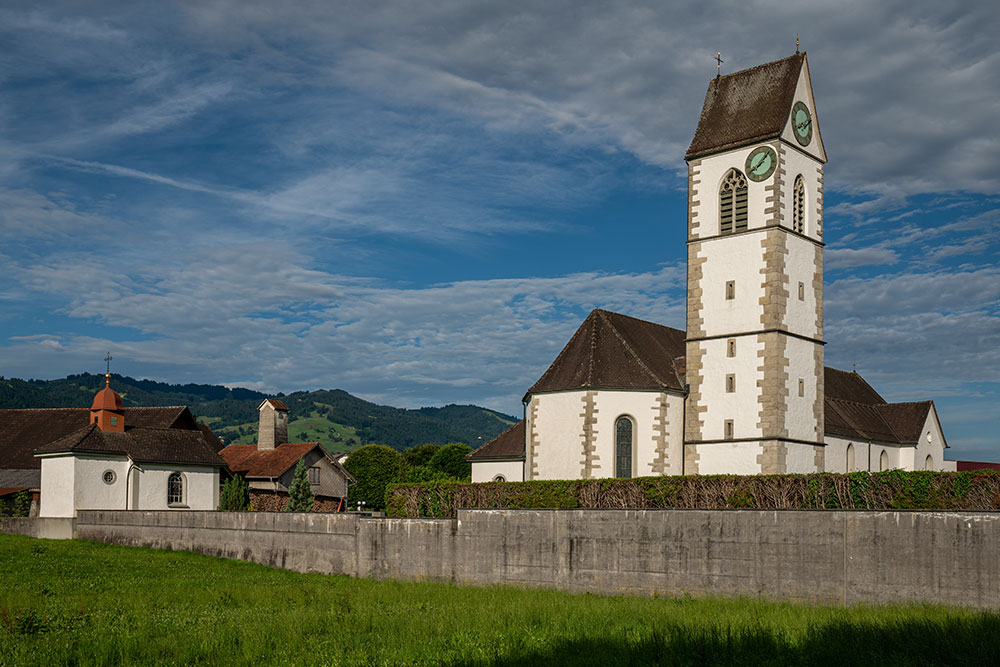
pixel 744 389
pixel 109 457
pixel 269 465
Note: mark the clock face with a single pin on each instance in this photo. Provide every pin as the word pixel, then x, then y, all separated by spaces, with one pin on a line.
pixel 802 123
pixel 761 163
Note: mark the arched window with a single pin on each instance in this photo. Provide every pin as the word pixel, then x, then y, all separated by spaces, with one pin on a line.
pixel 175 489
pixel 733 203
pixel 850 458
pixel 623 447
pixel 799 206
pixel 883 461
pixel 499 478
pixel 929 463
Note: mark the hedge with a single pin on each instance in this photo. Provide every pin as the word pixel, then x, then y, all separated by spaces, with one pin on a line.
pixel 890 490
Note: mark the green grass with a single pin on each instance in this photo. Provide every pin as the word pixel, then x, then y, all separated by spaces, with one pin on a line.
pixel 78 602
pixel 332 436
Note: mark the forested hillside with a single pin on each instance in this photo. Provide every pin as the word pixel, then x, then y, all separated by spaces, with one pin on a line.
pixel 340 421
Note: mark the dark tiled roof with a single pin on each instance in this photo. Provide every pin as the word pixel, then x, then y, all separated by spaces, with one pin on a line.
pixel 610 350
pixel 161 445
pixel 251 462
pixel 747 106
pixel 24 431
pixel 884 422
pixel 276 404
pixel 849 387
pixel 509 444
pixel 906 419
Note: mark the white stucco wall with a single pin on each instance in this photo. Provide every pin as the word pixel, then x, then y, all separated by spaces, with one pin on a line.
pixel 710 173
pixel 931 442
pixel 740 259
pixel 729 458
pixel 91 492
pixel 800 416
pixel 742 406
pixel 800 267
pixel 56 487
pixel 559 425
pixel 799 458
pixel 485 471
pixel 201 487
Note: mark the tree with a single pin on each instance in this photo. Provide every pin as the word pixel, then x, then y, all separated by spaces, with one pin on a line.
pixel 374 467
pixel 235 495
pixel 421 454
pixel 300 495
pixel 450 460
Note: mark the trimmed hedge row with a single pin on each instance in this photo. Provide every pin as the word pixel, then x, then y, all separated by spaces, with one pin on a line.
pixel 890 490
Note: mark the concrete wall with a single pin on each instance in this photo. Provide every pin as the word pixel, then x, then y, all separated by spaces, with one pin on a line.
pixel 814 556
pixel 44 527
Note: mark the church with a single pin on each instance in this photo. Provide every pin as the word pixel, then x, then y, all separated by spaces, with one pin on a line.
pixel 744 390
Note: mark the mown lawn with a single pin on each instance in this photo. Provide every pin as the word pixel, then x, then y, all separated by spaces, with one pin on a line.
pixel 77 602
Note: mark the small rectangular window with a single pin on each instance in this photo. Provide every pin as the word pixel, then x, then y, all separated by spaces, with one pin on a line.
pixel 731 289
pixel 731 347
pixel 314 475
pixel 802 387
pixel 730 384
pixel 114 421
pixel 802 291
pixel 729 429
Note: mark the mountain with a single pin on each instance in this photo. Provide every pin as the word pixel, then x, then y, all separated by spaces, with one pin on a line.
pixel 338 420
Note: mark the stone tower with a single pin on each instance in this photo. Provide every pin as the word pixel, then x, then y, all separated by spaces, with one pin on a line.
pixel 273 425
pixel 754 346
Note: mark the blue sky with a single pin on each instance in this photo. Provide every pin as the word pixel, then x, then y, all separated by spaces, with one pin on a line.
pixel 420 203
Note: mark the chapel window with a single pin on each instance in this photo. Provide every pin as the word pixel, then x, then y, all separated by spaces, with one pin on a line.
pixel 799 206
pixel 883 461
pixel 850 458
pixel 499 478
pixel 175 489
pixel 733 203
pixel 623 447
pixel 929 463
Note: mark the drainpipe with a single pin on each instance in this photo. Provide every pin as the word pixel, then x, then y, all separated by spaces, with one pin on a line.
pixel 527 434
pixel 684 410
pixel 131 465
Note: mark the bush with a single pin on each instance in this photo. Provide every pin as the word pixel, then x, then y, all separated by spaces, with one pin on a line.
pixel 235 495
pixel 300 495
pixel 418 474
pixel 890 490
pixel 22 504
pixel 450 460
pixel 374 467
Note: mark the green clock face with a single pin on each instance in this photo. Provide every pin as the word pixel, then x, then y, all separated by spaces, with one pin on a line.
pixel 761 163
pixel 802 123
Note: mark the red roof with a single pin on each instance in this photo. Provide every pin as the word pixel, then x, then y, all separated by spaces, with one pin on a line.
pixel 107 399
pixel 249 461
pixel 975 465
pixel 276 404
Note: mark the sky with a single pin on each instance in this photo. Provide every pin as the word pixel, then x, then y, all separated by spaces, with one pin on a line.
pixel 419 203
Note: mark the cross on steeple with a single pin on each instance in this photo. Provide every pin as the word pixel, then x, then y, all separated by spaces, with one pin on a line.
pixel 718 63
pixel 796 42
pixel 107 373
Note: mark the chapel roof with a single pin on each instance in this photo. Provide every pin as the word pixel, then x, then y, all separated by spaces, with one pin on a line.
pixel 747 106
pixel 251 462
pixel 22 431
pixel 141 444
pixel 507 445
pixel 611 350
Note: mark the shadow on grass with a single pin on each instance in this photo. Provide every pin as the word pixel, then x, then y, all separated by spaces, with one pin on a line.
pixel 968 641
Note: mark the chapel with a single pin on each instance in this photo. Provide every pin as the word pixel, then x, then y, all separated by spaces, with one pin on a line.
pixel 744 389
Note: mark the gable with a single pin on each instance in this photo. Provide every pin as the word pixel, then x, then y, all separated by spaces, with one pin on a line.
pixel 507 445
pixel 803 93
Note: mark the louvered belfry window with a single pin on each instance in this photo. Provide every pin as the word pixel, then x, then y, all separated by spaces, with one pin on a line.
pixel 623 447
pixel 799 206
pixel 733 203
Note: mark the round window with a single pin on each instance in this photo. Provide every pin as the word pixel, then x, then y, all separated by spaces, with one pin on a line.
pixel 499 478
pixel 109 476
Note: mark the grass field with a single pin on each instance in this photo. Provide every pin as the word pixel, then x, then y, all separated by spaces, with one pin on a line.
pixel 77 602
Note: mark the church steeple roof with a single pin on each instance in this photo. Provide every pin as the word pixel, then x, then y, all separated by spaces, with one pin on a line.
pixel 747 106
pixel 107 398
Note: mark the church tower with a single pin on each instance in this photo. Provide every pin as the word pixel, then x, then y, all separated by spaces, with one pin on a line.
pixel 754 345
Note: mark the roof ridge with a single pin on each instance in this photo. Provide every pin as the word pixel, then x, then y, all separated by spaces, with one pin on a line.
pixel 631 351
pixel 797 54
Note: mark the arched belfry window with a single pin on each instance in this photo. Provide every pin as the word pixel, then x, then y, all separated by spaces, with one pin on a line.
pixel 733 203
pixel 623 447
pixel 175 489
pixel 799 206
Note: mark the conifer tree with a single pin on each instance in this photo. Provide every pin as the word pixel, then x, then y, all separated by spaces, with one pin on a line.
pixel 235 495
pixel 300 495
